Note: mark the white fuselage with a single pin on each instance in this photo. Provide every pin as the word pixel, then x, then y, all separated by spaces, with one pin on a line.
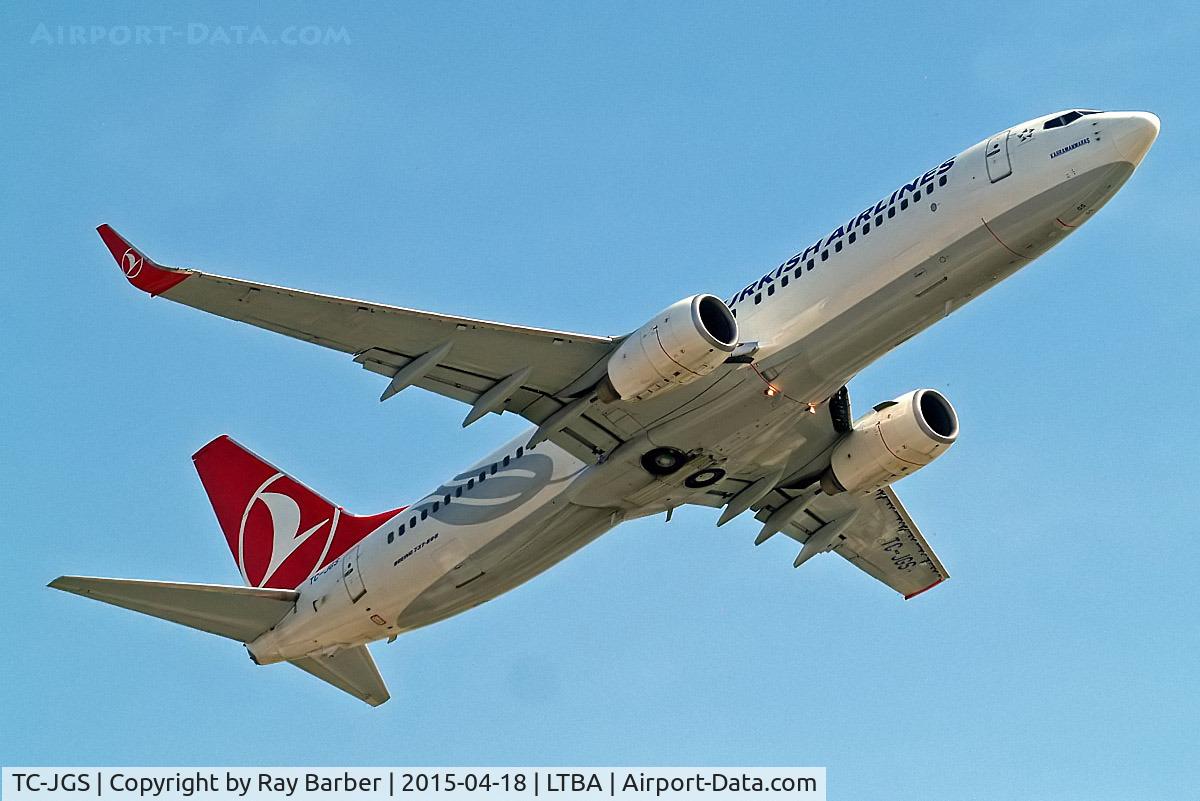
pixel 886 273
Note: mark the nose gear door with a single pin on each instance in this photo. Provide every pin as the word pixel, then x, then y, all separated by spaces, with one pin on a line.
pixel 996 154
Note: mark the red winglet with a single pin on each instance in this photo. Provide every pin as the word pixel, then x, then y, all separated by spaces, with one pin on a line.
pixel 918 592
pixel 141 271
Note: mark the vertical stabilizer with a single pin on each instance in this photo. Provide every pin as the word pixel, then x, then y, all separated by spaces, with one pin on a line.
pixel 279 531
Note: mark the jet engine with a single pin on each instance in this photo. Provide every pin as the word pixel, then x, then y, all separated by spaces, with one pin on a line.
pixel 684 342
pixel 897 438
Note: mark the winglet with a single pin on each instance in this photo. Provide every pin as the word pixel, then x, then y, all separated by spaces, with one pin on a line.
pixel 141 271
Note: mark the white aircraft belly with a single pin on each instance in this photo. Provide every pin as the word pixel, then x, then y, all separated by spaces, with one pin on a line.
pixel 508 560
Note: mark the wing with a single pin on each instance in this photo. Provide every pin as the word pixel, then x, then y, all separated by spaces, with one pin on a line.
pixel 493 366
pixel 871 531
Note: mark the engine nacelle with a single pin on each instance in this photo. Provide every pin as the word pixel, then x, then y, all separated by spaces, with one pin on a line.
pixel 896 439
pixel 684 342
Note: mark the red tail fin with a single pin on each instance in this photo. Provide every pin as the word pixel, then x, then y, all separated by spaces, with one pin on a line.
pixel 280 531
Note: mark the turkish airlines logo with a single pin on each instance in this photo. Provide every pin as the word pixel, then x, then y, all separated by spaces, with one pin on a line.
pixel 284 536
pixel 131 263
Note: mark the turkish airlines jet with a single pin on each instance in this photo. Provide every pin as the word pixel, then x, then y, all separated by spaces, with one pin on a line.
pixel 738 404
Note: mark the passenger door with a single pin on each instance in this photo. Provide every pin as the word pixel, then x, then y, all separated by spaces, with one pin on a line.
pixel 996 153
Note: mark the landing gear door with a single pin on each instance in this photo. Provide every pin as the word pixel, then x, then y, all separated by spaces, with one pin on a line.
pixel 352 578
pixel 996 153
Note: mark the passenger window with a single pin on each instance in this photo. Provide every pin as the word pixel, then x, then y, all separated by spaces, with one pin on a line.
pixel 412 522
pixel 866 228
pixel 891 212
pixel 784 280
pixel 837 248
pixel 916 196
pixel 879 221
pixel 520 452
pixel 446 499
pixel 942 181
pixel 506 461
pixel 811 264
pixel 771 289
pixel 401 531
pixel 391 536
pixel 904 204
pixel 458 492
pixel 471 484
pixel 757 298
pixel 424 513
pixel 824 255
pixel 853 236
pixel 436 506
pixel 494 466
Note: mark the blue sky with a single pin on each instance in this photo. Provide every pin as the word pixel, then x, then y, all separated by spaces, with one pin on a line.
pixel 581 166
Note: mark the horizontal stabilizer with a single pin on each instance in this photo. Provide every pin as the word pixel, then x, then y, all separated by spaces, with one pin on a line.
pixel 351 670
pixel 239 613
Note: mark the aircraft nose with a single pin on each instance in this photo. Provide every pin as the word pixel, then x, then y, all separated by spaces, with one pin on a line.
pixel 1134 133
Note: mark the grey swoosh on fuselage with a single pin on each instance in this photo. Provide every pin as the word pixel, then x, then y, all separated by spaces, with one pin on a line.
pixel 500 493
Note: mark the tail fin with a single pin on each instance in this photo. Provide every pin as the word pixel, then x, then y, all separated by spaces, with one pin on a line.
pixel 279 531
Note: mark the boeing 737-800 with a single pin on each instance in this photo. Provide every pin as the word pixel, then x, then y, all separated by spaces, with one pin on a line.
pixel 738 404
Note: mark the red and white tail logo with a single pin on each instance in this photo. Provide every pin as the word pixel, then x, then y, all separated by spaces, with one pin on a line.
pixel 279 531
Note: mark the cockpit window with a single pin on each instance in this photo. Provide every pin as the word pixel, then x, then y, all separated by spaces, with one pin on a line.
pixel 1065 119
pixel 1068 118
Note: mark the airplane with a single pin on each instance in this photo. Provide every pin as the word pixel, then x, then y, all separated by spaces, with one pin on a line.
pixel 738 404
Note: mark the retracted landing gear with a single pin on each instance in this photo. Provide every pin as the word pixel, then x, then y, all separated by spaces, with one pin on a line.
pixel 663 461
pixel 704 478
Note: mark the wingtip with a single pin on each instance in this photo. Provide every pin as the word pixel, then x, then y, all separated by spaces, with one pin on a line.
pixel 912 595
pixel 141 271
pixel 71 584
